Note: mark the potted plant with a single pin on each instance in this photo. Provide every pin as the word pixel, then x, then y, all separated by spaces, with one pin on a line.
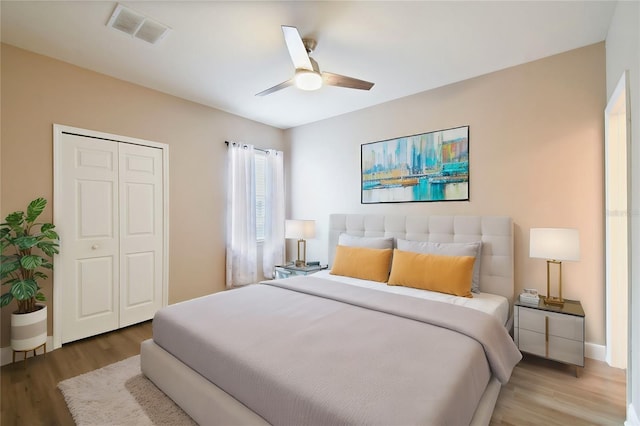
pixel 27 247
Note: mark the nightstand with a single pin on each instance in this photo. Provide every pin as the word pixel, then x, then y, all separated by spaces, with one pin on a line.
pixel 551 332
pixel 286 271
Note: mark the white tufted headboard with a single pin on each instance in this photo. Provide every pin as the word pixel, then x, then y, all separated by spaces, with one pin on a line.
pixel 495 232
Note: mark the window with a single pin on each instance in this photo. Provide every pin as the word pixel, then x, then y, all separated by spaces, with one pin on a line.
pixel 260 194
pixel 255 212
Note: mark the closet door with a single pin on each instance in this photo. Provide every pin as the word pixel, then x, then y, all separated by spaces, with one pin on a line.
pixel 141 232
pixel 109 209
pixel 89 235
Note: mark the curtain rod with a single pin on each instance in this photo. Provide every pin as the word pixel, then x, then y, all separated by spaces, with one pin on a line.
pixel 257 149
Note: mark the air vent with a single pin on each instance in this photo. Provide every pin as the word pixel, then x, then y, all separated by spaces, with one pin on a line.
pixel 137 25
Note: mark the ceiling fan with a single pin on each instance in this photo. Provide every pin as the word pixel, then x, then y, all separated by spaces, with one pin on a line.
pixel 308 75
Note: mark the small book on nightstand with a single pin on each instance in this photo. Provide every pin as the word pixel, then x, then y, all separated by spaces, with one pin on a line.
pixel 529 296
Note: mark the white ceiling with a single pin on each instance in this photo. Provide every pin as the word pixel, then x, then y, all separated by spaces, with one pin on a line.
pixel 222 53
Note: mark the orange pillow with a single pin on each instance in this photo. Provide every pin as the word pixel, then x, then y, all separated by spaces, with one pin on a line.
pixel 444 274
pixel 361 262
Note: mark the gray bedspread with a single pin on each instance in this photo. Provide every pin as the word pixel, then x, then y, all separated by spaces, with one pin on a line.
pixel 308 351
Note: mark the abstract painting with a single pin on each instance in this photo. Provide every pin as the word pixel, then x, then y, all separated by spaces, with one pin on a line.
pixel 430 166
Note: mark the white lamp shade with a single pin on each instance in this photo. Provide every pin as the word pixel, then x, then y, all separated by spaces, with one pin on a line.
pixel 300 229
pixel 554 243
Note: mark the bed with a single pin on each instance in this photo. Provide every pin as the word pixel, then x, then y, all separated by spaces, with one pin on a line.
pixel 329 349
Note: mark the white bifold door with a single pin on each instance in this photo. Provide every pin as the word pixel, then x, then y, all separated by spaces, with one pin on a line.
pixel 110 217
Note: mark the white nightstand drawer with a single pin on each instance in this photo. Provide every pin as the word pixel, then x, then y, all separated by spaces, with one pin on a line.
pixel 565 350
pixel 560 325
pixel 559 349
pixel 532 342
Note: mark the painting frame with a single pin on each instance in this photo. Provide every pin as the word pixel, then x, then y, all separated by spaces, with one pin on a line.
pixel 425 167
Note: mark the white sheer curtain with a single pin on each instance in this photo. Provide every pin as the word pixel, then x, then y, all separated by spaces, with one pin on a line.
pixel 241 216
pixel 273 248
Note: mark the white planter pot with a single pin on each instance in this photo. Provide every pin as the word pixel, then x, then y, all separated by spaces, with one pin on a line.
pixel 29 331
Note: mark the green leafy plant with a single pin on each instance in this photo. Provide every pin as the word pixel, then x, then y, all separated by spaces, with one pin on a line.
pixel 27 248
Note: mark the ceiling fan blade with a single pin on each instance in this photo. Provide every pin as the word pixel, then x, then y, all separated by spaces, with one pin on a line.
pixel 296 48
pixel 331 79
pixel 280 86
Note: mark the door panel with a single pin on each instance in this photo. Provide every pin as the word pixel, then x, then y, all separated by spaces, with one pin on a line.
pixel 95 223
pixel 141 232
pixel 89 243
pixel 94 282
pixel 94 158
pixel 140 213
pixel 139 268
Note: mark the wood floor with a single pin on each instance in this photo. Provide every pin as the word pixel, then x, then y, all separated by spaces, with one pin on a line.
pixel 30 395
pixel 543 392
pixel 540 392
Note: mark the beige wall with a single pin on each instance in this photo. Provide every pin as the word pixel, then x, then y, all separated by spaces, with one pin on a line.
pixel 536 154
pixel 536 142
pixel 38 91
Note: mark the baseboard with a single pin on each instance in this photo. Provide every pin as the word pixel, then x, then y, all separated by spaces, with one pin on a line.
pixel 6 354
pixel 632 417
pixel 594 351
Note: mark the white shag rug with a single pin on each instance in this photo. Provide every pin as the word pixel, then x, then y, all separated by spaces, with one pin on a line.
pixel 119 394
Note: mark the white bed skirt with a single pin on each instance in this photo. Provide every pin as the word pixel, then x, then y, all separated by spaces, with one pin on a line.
pixel 207 404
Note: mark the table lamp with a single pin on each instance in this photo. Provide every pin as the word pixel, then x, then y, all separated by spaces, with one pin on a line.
pixel 555 245
pixel 300 230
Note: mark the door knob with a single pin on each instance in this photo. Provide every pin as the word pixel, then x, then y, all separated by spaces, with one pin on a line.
pixel 94 247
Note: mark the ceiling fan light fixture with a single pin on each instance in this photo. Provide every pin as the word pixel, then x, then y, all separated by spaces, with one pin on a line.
pixel 307 75
pixel 308 80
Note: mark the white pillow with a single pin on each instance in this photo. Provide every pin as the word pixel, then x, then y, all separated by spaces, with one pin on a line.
pixel 448 249
pixel 368 242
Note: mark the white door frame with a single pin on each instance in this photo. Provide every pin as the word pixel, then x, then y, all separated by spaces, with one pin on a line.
pixel 616 117
pixel 58 130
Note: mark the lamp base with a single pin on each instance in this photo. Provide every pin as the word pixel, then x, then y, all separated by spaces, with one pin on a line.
pixel 301 262
pixel 555 301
